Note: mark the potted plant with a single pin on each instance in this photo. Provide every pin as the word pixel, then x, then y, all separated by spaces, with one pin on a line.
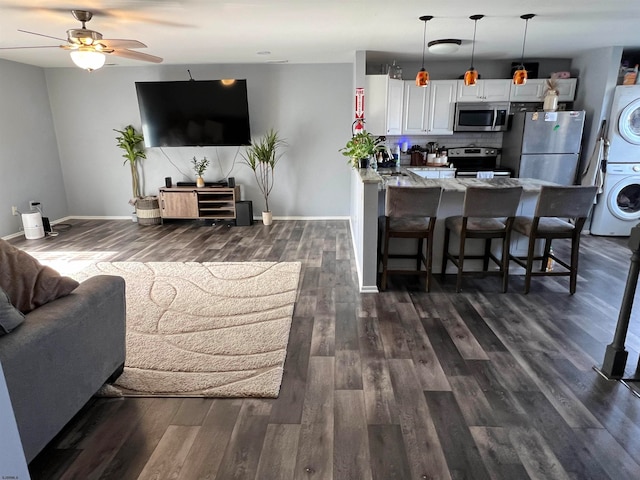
pixel 199 166
pixel 261 157
pixel 360 148
pixel 147 208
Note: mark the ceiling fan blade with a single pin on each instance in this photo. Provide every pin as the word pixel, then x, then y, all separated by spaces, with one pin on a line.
pixel 121 43
pixel 145 57
pixel 43 35
pixel 36 46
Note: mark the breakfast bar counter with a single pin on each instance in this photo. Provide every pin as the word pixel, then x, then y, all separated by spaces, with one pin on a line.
pixel 367 203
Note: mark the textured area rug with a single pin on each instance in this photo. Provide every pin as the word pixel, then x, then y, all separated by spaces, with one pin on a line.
pixel 204 329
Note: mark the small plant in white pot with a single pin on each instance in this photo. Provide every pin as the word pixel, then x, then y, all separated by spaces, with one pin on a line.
pixel 262 157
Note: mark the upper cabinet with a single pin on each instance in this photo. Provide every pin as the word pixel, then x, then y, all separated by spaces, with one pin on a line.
pixel 533 90
pixel 429 110
pixel 485 91
pixel 383 105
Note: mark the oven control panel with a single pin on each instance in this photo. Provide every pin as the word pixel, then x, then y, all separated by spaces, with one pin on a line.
pixel 473 152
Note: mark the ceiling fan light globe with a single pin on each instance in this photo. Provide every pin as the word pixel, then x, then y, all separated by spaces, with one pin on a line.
pixel 422 79
pixel 87 59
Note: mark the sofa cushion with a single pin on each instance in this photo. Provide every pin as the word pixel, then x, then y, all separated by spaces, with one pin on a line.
pixel 28 283
pixel 10 316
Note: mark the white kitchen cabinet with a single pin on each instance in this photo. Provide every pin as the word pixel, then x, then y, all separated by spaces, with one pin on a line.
pixel 533 90
pixel 429 110
pixel 383 105
pixel 485 91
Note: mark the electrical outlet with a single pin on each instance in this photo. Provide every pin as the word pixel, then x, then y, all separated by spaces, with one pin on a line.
pixel 33 204
pixel 14 210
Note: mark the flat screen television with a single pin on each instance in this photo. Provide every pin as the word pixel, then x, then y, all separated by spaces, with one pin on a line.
pixel 194 113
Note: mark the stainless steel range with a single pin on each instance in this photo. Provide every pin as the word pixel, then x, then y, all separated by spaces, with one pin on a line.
pixel 478 162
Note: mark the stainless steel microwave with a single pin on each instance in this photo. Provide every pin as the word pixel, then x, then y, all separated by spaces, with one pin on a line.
pixel 481 117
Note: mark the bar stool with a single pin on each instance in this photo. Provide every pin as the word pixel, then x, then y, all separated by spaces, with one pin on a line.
pixel 554 205
pixel 488 213
pixel 409 212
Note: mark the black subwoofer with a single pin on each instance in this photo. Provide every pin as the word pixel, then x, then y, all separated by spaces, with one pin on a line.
pixel 244 213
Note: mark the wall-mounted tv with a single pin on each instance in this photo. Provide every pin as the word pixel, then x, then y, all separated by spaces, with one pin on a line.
pixel 194 113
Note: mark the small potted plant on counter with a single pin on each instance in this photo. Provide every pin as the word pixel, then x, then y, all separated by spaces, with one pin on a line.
pixel 261 157
pixel 199 166
pixel 360 148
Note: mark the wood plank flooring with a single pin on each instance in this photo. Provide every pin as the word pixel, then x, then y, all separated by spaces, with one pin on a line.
pixel 396 385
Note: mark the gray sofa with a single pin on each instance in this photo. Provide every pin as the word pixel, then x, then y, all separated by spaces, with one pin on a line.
pixel 61 355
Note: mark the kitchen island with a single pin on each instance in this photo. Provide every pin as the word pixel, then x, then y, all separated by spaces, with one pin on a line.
pixel 367 203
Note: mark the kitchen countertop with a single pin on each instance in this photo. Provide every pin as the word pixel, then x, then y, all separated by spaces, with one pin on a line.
pixel 403 177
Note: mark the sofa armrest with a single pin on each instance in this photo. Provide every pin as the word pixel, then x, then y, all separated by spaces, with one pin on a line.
pixel 61 355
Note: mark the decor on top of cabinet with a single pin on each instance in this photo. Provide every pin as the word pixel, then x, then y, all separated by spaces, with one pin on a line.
pixel 360 148
pixel 262 157
pixel 147 208
pixel 199 166
pixel 551 94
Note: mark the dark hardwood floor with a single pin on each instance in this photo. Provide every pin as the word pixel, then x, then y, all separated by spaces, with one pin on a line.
pixel 396 385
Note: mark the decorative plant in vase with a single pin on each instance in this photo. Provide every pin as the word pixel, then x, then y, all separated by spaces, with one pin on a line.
pixel 551 94
pixel 131 142
pixel 147 208
pixel 360 148
pixel 262 157
pixel 199 166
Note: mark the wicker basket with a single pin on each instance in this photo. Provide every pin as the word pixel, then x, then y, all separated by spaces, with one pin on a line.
pixel 148 211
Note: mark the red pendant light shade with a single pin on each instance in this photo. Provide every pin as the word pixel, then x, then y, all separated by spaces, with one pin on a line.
pixel 422 79
pixel 520 75
pixel 471 75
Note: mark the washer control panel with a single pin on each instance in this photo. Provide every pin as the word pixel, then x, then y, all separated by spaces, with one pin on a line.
pixel 623 168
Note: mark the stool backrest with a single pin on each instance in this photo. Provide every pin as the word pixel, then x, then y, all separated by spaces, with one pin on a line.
pixel 567 202
pixel 412 201
pixel 491 202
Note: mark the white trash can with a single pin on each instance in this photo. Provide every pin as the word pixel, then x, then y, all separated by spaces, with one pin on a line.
pixel 33 227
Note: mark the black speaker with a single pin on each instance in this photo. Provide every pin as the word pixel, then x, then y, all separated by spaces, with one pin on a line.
pixel 231 182
pixel 244 213
pixel 167 182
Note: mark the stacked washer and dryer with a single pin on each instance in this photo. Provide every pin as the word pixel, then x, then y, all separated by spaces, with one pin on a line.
pixel 618 207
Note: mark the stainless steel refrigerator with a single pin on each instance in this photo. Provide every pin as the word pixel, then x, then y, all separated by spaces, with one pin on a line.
pixel 544 145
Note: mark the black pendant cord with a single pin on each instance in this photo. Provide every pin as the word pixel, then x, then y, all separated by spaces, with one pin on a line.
pixel 424 39
pixel 475 19
pixel 526 19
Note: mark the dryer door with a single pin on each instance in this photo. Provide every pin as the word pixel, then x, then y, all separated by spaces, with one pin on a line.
pixel 624 199
pixel 629 122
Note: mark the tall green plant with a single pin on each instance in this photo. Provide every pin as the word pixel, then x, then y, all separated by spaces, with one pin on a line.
pixel 131 142
pixel 261 157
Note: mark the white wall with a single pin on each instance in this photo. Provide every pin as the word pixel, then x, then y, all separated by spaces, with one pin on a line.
pixel 597 71
pixel 29 162
pixel 310 105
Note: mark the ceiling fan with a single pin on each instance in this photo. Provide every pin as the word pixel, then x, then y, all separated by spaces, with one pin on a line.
pixel 87 47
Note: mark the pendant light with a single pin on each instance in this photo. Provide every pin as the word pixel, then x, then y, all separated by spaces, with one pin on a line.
pixel 520 75
pixel 422 79
pixel 471 75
